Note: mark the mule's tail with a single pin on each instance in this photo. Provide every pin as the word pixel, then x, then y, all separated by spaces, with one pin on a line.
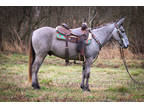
pixel 31 59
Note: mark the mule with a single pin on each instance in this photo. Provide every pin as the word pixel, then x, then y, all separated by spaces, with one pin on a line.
pixel 44 42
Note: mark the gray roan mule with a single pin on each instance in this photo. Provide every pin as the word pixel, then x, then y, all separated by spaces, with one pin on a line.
pixel 44 42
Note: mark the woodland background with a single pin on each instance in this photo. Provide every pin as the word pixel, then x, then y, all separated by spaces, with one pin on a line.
pixel 17 23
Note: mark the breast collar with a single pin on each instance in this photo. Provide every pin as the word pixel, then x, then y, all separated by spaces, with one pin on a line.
pixel 97 41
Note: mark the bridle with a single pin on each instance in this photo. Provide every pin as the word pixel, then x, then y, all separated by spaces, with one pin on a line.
pixel 118 29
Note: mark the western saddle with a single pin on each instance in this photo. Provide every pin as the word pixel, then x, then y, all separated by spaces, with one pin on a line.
pixel 65 30
pixel 80 34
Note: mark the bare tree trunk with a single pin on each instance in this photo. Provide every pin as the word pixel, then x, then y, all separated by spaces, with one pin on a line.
pixel 92 17
pixel 59 12
pixel 1 47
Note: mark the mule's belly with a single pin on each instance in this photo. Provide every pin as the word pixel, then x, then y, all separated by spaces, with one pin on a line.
pixel 58 49
pixel 70 57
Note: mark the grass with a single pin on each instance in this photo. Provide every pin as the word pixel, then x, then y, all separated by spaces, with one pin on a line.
pixel 108 82
pixel 119 89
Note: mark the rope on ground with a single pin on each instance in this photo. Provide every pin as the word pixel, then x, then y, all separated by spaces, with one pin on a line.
pixel 126 67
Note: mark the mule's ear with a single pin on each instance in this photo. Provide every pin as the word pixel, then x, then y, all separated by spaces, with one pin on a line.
pixel 120 21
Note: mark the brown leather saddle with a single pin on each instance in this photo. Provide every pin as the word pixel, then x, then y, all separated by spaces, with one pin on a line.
pixel 75 32
pixel 79 35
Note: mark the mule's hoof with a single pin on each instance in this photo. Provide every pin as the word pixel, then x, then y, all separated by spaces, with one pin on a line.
pixel 82 87
pixel 67 64
pixel 35 86
pixel 87 89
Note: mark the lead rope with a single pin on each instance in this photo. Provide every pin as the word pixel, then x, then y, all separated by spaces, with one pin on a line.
pixel 124 62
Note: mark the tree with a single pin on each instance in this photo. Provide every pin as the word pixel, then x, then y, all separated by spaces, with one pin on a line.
pixel 1 47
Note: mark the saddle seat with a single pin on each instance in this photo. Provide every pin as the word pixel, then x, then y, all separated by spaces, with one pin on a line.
pixel 63 30
pixel 75 32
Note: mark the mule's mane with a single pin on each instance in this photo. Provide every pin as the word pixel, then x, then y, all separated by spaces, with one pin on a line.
pixel 100 26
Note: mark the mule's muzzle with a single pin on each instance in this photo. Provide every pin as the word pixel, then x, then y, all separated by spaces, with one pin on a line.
pixel 122 45
pixel 125 42
pixel 125 47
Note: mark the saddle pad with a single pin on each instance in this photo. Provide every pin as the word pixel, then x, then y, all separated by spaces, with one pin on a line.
pixel 72 38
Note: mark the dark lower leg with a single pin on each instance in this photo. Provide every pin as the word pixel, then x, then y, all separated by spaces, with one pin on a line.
pixel 87 82
pixel 35 83
pixel 83 78
pixel 35 67
pixel 67 62
pixel 82 83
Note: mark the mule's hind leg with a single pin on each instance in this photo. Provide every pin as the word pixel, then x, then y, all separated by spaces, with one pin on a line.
pixel 35 67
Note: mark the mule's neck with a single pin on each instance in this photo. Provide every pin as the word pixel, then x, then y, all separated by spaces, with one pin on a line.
pixel 104 34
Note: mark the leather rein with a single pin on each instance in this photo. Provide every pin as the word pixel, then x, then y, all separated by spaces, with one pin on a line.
pixel 125 64
pixel 126 67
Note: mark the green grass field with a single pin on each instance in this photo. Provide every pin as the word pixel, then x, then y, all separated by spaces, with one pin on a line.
pixel 108 82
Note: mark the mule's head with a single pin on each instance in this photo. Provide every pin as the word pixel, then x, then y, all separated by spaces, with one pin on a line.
pixel 120 35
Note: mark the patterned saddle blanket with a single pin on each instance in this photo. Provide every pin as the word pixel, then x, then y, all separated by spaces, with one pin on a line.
pixel 73 35
pixel 73 38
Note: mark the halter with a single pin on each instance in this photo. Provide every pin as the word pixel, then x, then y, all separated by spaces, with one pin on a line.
pixel 117 27
pixel 119 31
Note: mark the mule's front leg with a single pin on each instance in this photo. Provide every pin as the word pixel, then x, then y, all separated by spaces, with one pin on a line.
pixel 87 79
pixel 83 77
pixel 87 72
